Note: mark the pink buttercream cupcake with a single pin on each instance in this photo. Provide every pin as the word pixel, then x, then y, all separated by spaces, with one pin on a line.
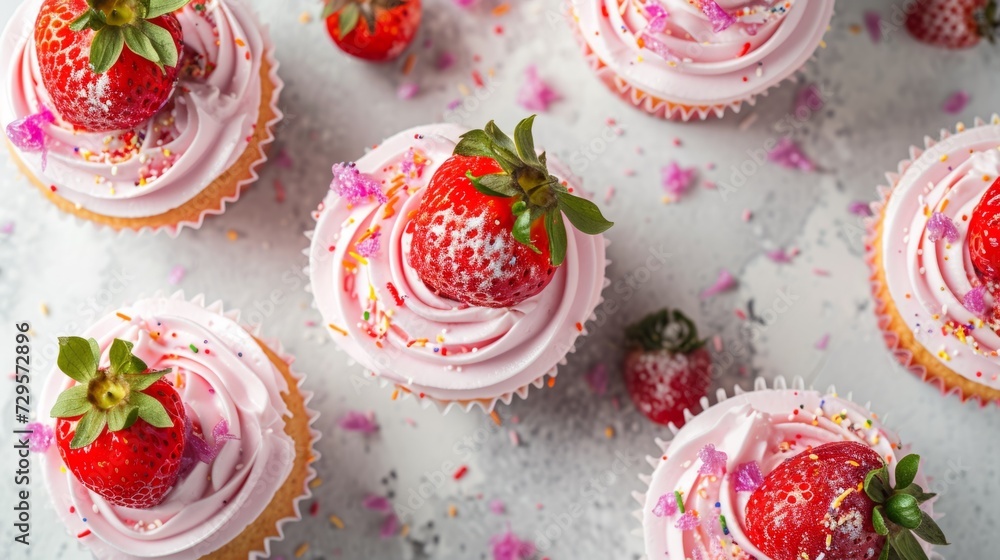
pixel 681 59
pixel 243 422
pixel 481 318
pixel 191 157
pixel 781 474
pixel 934 307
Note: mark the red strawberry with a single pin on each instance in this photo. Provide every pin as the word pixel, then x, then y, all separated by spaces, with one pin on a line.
pixel 835 502
pixel 121 430
pixel 108 65
pixel 667 368
pixel 489 230
pixel 984 235
pixel 953 24
pixel 388 26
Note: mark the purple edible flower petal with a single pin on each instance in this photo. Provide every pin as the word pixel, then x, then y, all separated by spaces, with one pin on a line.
pixel 413 163
pixel 712 461
pixel 465 3
pixel 498 507
pixel 408 90
pixel 354 185
pixel 380 504
pixel 370 246
pixel 7 228
pixel 723 283
pixel 941 227
pixel 666 506
pixel 676 179
pixel 658 47
pixel 956 102
pixel 597 379
pixel 535 93
pixel 176 275
pixel 355 421
pixel 445 60
pixel 860 208
pixel 721 20
pixel 389 526
pixel 823 342
pixel 808 100
pixel 508 546
pixel 788 154
pixel 197 449
pixel 657 15
pixel 975 301
pixel 779 256
pixel 873 21
pixel 687 522
pixel 28 134
pixel 40 438
pixel 748 477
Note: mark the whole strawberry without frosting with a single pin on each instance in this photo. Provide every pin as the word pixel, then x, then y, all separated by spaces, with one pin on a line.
pixel 954 24
pixel 375 30
pixel 835 501
pixel 667 367
pixel 121 429
pixel 108 64
pixel 489 231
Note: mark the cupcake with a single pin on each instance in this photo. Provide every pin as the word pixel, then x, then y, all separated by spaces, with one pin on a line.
pixel 179 434
pixel 783 474
pixel 453 266
pixel 934 264
pixel 155 138
pixel 681 59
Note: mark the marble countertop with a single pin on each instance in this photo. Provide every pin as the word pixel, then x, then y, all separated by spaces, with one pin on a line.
pixel 567 485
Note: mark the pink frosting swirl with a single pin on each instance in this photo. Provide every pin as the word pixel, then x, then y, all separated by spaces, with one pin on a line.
pixel 764 427
pixel 388 320
pixel 221 373
pixel 691 56
pixel 929 280
pixel 197 136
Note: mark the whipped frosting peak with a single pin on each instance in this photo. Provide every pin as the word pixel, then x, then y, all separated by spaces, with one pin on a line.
pixel 377 308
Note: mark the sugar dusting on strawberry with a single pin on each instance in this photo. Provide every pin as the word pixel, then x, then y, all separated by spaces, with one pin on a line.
pixel 120 429
pixel 667 367
pixel 835 501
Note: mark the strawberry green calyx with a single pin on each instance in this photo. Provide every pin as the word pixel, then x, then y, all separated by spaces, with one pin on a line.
pixel 897 514
pixel 126 23
pixel 106 397
pixel 525 177
pixel 988 21
pixel 353 11
pixel 668 330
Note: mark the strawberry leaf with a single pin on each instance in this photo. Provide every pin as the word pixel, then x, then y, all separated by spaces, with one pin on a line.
pixel 117 417
pixel 524 142
pixel 83 21
pixel 349 17
pixel 331 7
pixel 906 546
pixel 133 415
pixel 89 428
pixel 498 184
pixel 929 531
pixel 903 510
pixel 906 470
pixel 879 522
pixel 522 227
pixel 71 402
pixel 77 358
pixel 159 7
pixel 121 357
pixel 106 47
pixel 876 485
pixel 583 214
pixel 557 236
pixel 917 492
pixel 143 381
pixel 153 43
pixel 151 410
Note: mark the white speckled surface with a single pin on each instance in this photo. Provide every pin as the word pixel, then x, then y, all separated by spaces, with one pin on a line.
pixel 566 477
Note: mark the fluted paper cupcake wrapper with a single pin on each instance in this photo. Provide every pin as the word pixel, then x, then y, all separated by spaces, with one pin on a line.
pixel 884 309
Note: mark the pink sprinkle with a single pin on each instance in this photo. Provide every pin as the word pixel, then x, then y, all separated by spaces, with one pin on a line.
pixel 389 526
pixel 712 461
pixel 445 60
pixel 629 172
pixel 723 283
pixel 788 154
pixel 657 17
pixel 40 438
pixel 408 90
pixel 283 160
pixel 609 194
pixel 380 504
pixel 355 421
pixel 515 439
pixel 687 522
pixel 821 272
pixel 748 477
pixel 454 104
pixel 808 100
pixel 717 343
pixel 279 191
pixel 956 102
pixel 677 180
pixel 658 47
pixel 779 256
pixel 873 21
pixel 7 228
pixel 354 185
pixel 823 342
pixel 860 208
pixel 975 301
pixel 721 20
pixel 370 246
pixel 535 94
pixel 509 547
pixel 28 134
pixel 465 3
pixel 666 506
pixel 941 227
pixel 310 323
pixel 176 275
pixel 597 379
pixel 498 507
pixel 747 215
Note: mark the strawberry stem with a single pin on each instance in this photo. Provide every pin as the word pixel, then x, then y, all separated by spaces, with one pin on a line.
pixel 668 330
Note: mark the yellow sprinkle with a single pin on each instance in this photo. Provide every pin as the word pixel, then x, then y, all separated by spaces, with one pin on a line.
pixel 316 482
pixel 822 44
pixel 166 152
pixel 452 510
pixel 853 463
pixel 336 522
pixel 463 89
pixel 829 540
pixel 123 317
pixel 62 469
pixel 371 291
pixel 405 530
pixel 986 178
pixel 232 235
pixel 395 394
pixel 944 157
pixel 301 550
pixel 305 17
pixel 609 432
pixel 43 308
pixel 338 329
pixel 814 456
pixel 241 42
pixel 358 257
pixel 840 499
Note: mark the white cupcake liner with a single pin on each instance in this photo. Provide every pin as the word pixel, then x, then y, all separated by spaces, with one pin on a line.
pixel 760 384
pixel 904 355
